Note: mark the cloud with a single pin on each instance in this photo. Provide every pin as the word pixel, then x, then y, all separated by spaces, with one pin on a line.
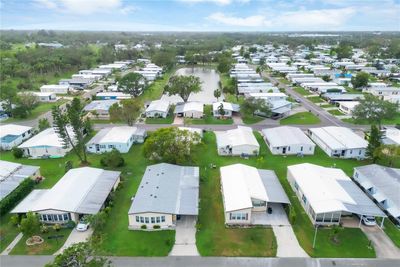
pixel 251 21
pixel 218 2
pixel 86 7
pixel 301 20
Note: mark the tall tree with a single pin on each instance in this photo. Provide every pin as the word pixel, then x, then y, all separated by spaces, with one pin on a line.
pixel 170 145
pixel 374 141
pixel 374 110
pixel 128 110
pixel 217 94
pixel 183 86
pixel 252 105
pixel 388 155
pixel 43 124
pixel 30 225
pixel 74 118
pixel 132 83
pixel 9 96
pixel 360 80
pixel 344 50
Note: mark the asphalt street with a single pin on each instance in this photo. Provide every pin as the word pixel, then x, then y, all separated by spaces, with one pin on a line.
pixel 39 261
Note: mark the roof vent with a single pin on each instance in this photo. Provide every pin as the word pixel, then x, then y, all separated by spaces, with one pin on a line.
pixel 151 195
pixel 147 182
pixel 157 187
pixel 155 196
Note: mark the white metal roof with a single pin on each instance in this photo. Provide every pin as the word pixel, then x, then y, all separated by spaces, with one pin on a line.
pixel 286 136
pixel 81 190
pixel 242 183
pixel 13 129
pixel 331 190
pixel 46 138
pixel 100 104
pixel 392 136
pixel 339 137
pixel 227 106
pixel 117 134
pixel 236 137
pixel 158 105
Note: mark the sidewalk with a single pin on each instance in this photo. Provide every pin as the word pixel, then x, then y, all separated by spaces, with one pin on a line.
pixel 12 244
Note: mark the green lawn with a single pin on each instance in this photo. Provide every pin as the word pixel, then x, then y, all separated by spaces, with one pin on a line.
pixel 208 118
pixel 391 231
pixel 234 99
pixel 252 119
pixel 327 106
pixel 48 247
pixel 315 99
pixel 300 118
pixel 301 90
pixel 156 89
pixel 168 120
pixel 214 239
pixel 336 112
pixel 395 120
pixel 39 110
pixel 284 81
pixel 7 232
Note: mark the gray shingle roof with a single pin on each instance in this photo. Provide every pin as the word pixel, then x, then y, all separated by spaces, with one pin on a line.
pixel 168 188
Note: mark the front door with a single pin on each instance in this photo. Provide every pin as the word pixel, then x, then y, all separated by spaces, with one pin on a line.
pixel 97 148
pixel 284 150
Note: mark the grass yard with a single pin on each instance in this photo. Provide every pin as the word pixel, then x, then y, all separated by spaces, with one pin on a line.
pixel 48 247
pixel 234 99
pixel 252 119
pixel 391 231
pixel 39 110
pixel 7 232
pixel 214 239
pixel 336 112
pixel 395 120
pixel 327 106
pixel 315 99
pixel 208 118
pixel 301 90
pixel 284 81
pixel 156 89
pixel 168 120
pixel 300 118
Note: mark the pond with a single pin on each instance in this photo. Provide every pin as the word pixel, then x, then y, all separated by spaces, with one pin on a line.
pixel 209 82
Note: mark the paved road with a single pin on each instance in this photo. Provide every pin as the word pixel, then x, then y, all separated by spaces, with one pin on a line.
pixel 39 261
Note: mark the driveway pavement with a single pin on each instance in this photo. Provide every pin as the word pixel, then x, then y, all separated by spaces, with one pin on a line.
pixel 384 247
pixel 185 237
pixel 75 237
pixel 288 246
pixel 277 217
pixel 12 244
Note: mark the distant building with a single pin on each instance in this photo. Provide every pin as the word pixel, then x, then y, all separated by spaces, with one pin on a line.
pixel 193 110
pixel 12 135
pixel 55 88
pixel 157 109
pixel 100 108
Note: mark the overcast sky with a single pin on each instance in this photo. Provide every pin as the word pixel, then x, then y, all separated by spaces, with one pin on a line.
pixel 202 15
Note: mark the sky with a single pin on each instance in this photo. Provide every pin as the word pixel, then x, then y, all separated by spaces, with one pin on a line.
pixel 201 15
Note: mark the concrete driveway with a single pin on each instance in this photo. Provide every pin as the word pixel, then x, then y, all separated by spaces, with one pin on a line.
pixel 384 247
pixel 278 216
pixel 288 246
pixel 185 237
pixel 75 237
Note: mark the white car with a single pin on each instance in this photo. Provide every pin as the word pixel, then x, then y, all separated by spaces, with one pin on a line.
pixel 368 220
pixel 82 226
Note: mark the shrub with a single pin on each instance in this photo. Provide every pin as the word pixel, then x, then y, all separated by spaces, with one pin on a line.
pixel 30 225
pixel 15 196
pixel 112 159
pixel 70 224
pixel 17 152
pixel 56 227
pixel 143 226
pixel 44 229
pixel 15 220
pixel 156 226
pixel 292 215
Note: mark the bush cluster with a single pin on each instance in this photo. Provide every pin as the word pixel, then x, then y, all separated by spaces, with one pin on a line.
pixel 7 203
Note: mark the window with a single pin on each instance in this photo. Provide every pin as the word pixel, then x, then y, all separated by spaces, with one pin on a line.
pixel 66 217
pixel 162 218
pixel 304 199
pixel 110 146
pixel 301 148
pixel 137 219
pixel 43 217
pixel 146 219
pixel 158 219
pixel 359 152
pixel 296 185
pixel 60 217
pixel 153 220
pixel 141 219
pixel 288 149
pixel 55 218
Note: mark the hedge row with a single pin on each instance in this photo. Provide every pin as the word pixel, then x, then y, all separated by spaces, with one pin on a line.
pixel 9 202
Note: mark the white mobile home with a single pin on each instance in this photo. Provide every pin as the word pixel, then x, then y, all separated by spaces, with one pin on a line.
pixel 327 194
pixel 287 140
pixel 166 193
pixel 100 108
pixel 12 174
pixel 43 96
pixel 383 185
pixel 81 191
pixel 339 142
pixel 247 192
pixel 229 109
pixel 237 142
pixel 46 144
pixel 119 137
pixel 347 107
pixel 55 88
pixel 193 110
pixel 391 136
pixel 12 135
pixel 157 109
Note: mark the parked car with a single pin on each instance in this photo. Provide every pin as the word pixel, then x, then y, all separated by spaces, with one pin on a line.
pixel 83 225
pixel 368 220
